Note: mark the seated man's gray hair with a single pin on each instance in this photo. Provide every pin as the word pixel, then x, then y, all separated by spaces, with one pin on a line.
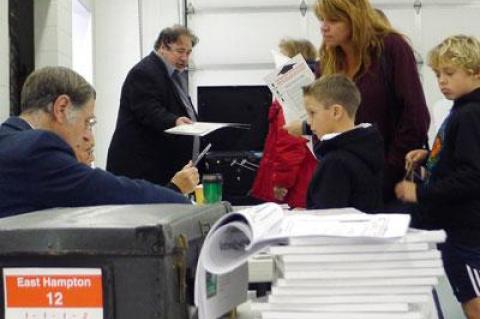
pixel 43 86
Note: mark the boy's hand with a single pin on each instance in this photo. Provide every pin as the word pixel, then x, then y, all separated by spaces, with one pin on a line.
pixel 294 128
pixel 279 192
pixel 414 158
pixel 406 191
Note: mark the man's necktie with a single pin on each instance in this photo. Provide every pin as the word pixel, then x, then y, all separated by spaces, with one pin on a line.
pixel 181 85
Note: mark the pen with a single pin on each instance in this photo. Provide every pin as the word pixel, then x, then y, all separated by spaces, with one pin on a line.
pixel 202 154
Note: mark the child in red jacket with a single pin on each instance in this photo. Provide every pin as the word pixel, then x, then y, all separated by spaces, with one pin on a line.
pixel 287 164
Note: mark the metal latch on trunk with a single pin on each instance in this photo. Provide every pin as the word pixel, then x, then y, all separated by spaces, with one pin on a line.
pixel 181 266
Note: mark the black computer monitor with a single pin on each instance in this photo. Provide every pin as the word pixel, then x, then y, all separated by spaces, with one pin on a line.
pixel 235 104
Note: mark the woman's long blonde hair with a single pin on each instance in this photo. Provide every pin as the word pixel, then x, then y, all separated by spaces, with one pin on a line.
pixel 367 27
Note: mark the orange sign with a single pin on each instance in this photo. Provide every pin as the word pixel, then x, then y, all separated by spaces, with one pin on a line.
pixel 64 289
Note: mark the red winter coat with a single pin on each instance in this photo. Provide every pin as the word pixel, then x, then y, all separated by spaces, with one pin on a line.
pixel 286 162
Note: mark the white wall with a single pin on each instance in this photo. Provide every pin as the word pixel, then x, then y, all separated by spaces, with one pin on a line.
pixel 53 32
pixel 4 62
pixel 82 40
pixel 116 50
pixel 156 15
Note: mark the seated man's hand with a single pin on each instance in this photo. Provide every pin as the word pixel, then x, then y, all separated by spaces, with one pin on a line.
pixel 186 179
pixel 295 128
pixel 84 152
pixel 182 120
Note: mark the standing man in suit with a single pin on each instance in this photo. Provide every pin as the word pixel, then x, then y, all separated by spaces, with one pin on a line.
pixel 40 162
pixel 155 98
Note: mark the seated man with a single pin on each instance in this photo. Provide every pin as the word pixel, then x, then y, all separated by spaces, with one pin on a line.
pixel 38 165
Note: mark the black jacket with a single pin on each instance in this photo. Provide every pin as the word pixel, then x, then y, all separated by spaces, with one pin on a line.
pixel 350 171
pixel 149 104
pixel 452 196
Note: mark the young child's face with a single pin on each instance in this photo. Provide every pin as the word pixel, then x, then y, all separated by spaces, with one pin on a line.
pixel 454 82
pixel 319 118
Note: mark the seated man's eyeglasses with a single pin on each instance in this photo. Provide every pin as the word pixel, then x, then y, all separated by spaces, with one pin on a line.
pixel 90 123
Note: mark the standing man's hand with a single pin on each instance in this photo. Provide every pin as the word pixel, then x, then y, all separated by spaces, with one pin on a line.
pixel 183 120
pixel 186 179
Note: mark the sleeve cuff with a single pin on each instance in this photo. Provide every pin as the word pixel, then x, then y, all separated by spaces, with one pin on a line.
pixel 173 187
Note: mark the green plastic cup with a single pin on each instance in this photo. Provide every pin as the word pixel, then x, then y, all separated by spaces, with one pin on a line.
pixel 212 188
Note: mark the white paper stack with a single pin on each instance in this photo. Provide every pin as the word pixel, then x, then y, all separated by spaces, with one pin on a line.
pixel 331 277
pixel 237 236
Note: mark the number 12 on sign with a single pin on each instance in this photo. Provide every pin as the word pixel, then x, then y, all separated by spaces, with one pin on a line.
pixel 53 293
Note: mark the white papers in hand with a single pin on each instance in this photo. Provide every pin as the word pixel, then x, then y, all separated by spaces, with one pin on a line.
pixel 201 128
pixel 286 84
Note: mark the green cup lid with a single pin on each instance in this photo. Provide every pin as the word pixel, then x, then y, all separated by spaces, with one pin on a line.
pixel 212 178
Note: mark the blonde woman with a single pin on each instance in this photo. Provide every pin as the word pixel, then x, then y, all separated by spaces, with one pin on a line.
pixel 359 43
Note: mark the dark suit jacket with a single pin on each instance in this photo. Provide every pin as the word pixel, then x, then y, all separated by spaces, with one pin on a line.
pixel 38 170
pixel 149 104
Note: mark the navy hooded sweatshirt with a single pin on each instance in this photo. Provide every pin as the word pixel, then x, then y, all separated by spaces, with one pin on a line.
pixel 350 171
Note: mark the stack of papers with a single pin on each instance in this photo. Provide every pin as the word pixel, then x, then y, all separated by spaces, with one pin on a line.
pixel 328 277
pixel 241 234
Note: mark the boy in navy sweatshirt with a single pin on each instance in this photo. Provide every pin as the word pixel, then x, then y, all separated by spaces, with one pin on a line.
pixel 449 196
pixel 351 159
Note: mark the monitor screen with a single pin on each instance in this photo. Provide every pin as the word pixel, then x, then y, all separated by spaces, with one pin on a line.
pixel 235 104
